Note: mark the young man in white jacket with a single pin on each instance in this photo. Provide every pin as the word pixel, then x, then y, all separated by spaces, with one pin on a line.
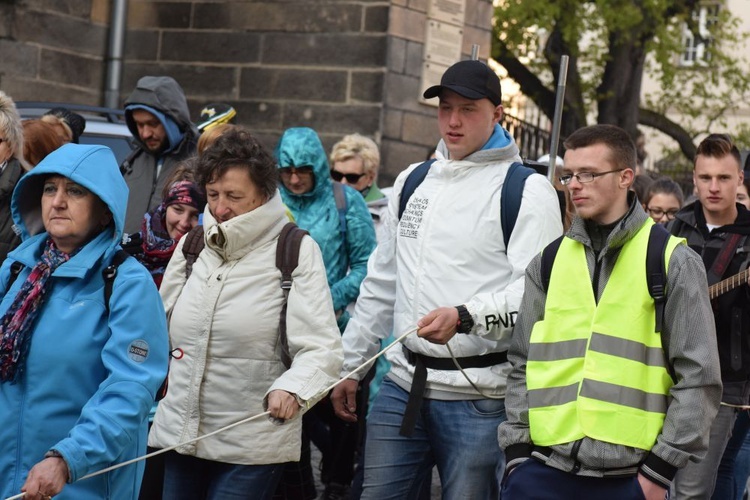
pixel 442 268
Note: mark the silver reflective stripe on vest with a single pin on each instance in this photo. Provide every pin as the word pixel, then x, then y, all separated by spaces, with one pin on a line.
pixel 628 349
pixel 552 396
pixel 554 351
pixel 625 396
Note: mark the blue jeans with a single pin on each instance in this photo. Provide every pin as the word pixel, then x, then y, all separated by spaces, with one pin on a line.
pixel 735 463
pixel 460 437
pixel 191 478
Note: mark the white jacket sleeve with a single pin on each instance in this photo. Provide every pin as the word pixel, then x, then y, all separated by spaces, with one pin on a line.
pixel 539 223
pixel 373 313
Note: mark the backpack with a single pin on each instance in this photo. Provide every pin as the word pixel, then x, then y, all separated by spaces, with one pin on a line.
pixel 287 259
pixel 510 194
pixel 656 272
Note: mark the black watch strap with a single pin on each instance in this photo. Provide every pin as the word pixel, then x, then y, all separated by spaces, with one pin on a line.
pixel 465 321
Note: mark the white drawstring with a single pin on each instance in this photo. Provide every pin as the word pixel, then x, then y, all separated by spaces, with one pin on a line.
pixel 244 421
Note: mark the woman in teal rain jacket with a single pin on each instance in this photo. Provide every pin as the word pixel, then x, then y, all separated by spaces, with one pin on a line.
pixel 77 380
pixel 307 189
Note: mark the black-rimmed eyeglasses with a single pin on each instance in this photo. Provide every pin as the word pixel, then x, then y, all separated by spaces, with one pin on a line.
pixel 585 177
pixel 287 172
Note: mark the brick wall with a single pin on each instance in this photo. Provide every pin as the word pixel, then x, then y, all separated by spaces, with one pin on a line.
pixel 338 66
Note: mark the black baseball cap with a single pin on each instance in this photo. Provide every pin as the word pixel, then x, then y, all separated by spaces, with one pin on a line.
pixel 471 79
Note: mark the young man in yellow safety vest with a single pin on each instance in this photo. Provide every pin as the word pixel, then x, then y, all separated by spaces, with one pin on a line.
pixel 612 391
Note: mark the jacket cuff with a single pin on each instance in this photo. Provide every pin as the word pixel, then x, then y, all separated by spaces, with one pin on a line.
pixel 658 471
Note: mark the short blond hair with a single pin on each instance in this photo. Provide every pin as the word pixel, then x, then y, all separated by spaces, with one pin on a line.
pixel 356 145
pixel 10 126
pixel 209 136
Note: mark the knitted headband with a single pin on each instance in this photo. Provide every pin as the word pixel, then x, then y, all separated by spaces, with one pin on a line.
pixel 185 193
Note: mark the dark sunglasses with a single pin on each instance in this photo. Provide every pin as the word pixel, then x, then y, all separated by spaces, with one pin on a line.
pixel 350 178
pixel 287 172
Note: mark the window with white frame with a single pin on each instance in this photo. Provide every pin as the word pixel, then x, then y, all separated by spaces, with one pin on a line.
pixel 696 39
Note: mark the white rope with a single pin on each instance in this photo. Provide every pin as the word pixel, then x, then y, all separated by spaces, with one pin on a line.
pixel 244 421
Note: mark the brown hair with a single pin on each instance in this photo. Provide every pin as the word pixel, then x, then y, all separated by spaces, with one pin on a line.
pixel 210 135
pixel 622 149
pixel 718 146
pixel 238 148
pixel 184 171
pixel 40 139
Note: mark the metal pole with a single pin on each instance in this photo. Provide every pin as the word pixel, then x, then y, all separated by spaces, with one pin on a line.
pixel 474 52
pixel 557 120
pixel 118 21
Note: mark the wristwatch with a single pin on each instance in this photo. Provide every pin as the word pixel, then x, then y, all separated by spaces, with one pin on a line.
pixel 465 321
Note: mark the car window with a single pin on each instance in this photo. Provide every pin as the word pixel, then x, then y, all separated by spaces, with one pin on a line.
pixel 120 146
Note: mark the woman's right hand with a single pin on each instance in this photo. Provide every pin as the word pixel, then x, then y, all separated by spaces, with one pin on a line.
pixel 282 405
pixel 46 479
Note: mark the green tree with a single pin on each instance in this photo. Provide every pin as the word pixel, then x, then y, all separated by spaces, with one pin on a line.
pixel 611 45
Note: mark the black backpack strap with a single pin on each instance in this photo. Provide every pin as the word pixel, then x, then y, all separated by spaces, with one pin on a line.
pixel 413 181
pixel 287 259
pixel 511 195
pixel 109 274
pixel 15 270
pixel 192 247
pixel 548 259
pixel 656 271
pixel 341 206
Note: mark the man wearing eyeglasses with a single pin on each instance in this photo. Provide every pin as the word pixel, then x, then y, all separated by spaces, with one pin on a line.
pixel 717 227
pixel 607 398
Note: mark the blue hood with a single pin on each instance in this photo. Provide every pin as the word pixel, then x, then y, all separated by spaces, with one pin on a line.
pixel 301 146
pixel 93 167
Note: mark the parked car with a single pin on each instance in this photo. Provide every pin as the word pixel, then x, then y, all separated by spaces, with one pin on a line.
pixel 105 126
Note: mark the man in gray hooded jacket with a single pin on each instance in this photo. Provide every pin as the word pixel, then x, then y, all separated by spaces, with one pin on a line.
pixel 157 115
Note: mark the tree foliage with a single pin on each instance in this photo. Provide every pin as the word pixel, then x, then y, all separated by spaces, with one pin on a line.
pixel 611 45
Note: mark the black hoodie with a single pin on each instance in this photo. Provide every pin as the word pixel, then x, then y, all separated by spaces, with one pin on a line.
pixel 731 309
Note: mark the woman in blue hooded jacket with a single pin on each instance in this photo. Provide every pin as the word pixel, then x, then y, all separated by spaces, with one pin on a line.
pixel 347 239
pixel 78 372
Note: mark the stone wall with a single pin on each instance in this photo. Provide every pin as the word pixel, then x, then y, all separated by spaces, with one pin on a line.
pixel 338 66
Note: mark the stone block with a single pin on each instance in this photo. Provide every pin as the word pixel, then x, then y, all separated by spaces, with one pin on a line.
pixel 376 19
pixel 414 58
pixel 479 14
pixel 100 11
pixel 61 32
pixel 259 115
pixel 395 156
pixel 141 45
pixel 198 82
pixel 392 123
pixel 325 49
pixel 24 89
pixel 294 84
pixel 402 92
pixel 419 5
pixel 396 54
pixel 406 23
pixel 211 47
pixel 333 119
pixel 367 86
pixel 71 69
pixel 76 8
pixel 154 14
pixel 420 129
pixel 19 59
pixel 300 16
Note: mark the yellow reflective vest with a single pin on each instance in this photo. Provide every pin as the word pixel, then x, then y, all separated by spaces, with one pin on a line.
pixel 598 369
